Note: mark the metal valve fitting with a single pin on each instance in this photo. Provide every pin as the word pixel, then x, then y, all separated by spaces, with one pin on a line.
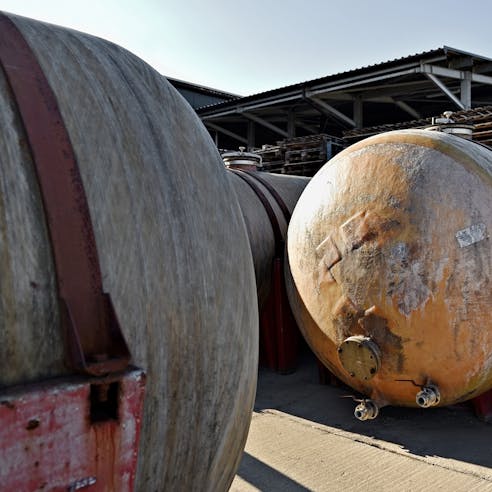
pixel 366 410
pixel 428 396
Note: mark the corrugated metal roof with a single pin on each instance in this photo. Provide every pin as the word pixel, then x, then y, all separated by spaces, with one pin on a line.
pixel 443 52
pixel 202 88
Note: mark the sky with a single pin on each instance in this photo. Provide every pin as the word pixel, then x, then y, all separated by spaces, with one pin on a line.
pixel 246 47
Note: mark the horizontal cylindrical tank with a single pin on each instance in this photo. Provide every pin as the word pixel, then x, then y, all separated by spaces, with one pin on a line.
pixel 391 267
pixel 162 209
pixel 258 225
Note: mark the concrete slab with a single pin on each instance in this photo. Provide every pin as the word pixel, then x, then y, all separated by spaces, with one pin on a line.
pixel 303 436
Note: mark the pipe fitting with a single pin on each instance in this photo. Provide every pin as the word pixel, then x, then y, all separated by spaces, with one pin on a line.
pixel 428 396
pixel 366 410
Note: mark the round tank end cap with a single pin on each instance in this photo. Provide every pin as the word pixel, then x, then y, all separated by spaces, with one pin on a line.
pixel 360 357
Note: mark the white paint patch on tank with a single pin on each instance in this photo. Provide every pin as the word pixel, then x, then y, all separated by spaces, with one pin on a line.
pixel 471 235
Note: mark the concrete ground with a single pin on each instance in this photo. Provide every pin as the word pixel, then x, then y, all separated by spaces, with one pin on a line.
pixel 303 437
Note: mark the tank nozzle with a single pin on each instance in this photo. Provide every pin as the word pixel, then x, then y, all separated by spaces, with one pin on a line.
pixel 366 410
pixel 428 396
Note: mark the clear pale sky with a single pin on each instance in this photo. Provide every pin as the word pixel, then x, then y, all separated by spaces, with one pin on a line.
pixel 250 46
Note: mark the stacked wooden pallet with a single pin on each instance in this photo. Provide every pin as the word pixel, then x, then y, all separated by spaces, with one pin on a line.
pixel 480 118
pixel 302 156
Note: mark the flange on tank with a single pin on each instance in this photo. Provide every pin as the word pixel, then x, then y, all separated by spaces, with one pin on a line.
pixel 391 267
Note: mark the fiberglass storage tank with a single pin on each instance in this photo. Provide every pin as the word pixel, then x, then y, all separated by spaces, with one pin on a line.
pixel 162 209
pixel 267 201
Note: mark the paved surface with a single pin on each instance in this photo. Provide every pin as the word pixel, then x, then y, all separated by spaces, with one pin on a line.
pixel 303 436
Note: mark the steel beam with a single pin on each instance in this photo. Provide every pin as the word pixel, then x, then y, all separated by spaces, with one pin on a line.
pixel 348 85
pixel 445 90
pixel 334 86
pixel 218 128
pixel 307 127
pixel 266 124
pixel 378 75
pixel 403 105
pixel 456 74
pixel 442 71
pixel 297 94
pixel 330 110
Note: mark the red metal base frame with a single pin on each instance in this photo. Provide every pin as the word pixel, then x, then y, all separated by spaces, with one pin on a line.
pixel 483 406
pixel 279 334
pixel 71 434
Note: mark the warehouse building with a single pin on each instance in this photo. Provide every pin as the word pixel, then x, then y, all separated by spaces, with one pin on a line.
pixel 310 121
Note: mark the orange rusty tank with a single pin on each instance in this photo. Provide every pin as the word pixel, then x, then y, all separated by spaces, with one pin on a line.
pixel 391 267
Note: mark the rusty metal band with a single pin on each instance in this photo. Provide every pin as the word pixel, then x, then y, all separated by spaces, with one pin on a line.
pixel 277 233
pixel 273 192
pixel 95 344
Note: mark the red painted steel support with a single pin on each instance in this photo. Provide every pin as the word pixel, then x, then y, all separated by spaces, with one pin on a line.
pixel 75 433
pixel 95 344
pixel 279 334
pixel 483 406
pixel 61 435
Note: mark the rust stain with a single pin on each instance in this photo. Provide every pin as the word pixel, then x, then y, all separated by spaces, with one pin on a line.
pixel 375 326
pixel 367 225
pixel 421 139
pixel 329 252
pixel 345 317
pixel 396 249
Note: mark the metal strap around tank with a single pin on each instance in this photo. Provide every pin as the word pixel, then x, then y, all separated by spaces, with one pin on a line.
pixel 277 233
pixel 94 342
pixel 273 192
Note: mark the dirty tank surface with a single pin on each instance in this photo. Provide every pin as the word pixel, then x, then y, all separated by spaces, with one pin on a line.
pixel 161 208
pixel 258 225
pixel 389 243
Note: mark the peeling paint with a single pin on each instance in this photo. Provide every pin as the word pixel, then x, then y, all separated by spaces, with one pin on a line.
pixel 471 235
pixel 434 294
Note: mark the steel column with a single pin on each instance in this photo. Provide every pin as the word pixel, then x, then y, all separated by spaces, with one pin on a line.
pixel 251 135
pixel 358 111
pixel 465 91
pixel 291 123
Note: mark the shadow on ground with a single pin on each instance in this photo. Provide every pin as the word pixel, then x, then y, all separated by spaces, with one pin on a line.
pixel 260 475
pixel 452 432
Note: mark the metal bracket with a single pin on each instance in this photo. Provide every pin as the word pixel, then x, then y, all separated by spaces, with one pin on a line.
pixel 279 240
pixel 95 343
